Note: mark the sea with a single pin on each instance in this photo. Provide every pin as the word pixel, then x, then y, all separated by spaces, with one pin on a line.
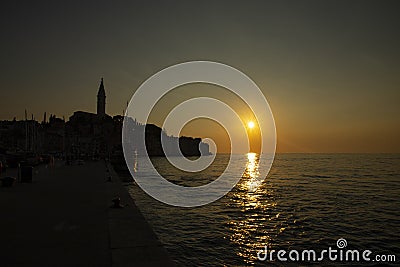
pixel 307 202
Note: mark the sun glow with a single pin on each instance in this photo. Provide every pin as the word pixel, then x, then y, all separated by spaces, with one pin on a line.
pixel 250 124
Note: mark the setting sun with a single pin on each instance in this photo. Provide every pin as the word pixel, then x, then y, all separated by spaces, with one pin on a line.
pixel 250 124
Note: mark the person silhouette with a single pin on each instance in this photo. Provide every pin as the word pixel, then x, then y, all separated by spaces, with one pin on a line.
pixel 117 203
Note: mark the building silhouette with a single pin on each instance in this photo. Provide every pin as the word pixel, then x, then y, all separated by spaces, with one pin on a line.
pixel 92 135
pixel 101 100
pixel 89 135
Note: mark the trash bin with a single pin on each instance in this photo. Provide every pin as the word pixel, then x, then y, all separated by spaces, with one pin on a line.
pixel 26 174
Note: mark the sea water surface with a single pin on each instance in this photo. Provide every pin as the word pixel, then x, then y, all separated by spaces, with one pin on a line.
pixel 307 201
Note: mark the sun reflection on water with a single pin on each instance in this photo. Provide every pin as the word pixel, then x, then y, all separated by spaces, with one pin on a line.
pixel 252 227
pixel 251 172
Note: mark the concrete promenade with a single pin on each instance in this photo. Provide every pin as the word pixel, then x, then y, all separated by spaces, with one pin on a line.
pixel 64 218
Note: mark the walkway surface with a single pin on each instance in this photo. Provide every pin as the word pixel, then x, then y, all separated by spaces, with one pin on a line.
pixel 64 218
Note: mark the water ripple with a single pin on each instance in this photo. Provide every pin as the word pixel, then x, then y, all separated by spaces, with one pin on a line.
pixel 307 201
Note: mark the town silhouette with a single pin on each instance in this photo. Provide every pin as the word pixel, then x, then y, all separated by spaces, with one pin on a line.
pixel 85 136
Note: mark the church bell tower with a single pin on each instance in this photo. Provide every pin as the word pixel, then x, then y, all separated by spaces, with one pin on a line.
pixel 101 100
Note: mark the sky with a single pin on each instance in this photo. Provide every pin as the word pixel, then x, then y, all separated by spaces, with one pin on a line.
pixel 329 69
